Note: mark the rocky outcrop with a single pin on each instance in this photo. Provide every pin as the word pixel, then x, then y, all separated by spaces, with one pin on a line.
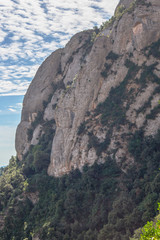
pixel 72 83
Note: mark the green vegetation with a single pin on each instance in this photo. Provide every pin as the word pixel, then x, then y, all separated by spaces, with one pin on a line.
pixel 38 158
pixel 95 33
pixel 12 184
pixel 118 14
pixel 148 75
pixel 151 230
pixel 112 109
pixel 1 170
pixel 58 85
pixel 153 49
pixel 99 146
pixel 120 11
pixel 102 203
pixel 105 72
pixel 153 113
pixel 81 128
pixel 68 207
pixel 143 2
pixel 112 57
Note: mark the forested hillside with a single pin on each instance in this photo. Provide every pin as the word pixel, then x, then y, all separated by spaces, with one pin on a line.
pixel 88 144
pixel 101 203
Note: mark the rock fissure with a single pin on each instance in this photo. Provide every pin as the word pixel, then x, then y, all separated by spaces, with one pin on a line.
pixel 103 86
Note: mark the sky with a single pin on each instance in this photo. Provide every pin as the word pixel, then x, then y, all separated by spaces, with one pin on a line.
pixel 30 30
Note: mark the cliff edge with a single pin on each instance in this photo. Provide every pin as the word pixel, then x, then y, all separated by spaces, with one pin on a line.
pixel 101 88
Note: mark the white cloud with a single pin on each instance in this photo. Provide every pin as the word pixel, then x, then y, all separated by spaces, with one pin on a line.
pixel 12 109
pixel 16 108
pixel 29 32
pixel 6 3
pixel 8 88
pixel 33 31
pixel 2 35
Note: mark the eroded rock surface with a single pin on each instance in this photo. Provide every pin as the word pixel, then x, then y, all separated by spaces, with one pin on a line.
pixel 72 82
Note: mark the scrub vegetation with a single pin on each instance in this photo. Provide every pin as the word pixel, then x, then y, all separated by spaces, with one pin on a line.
pixel 102 202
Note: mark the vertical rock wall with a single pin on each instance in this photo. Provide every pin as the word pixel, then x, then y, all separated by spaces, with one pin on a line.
pixel 80 76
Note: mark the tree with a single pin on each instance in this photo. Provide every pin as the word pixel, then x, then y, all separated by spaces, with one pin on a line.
pixel 151 231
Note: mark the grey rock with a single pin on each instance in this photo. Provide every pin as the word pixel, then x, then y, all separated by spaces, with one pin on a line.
pixel 74 76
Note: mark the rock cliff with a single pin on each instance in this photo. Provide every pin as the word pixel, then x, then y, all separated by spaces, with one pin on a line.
pixel 97 91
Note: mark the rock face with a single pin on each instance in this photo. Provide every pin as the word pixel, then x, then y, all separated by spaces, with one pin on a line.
pixel 96 91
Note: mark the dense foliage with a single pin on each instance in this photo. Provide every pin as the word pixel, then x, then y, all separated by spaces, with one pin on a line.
pixel 1 170
pixel 151 230
pixel 102 203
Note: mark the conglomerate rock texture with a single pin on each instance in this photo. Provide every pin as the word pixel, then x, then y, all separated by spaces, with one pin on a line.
pixel 70 90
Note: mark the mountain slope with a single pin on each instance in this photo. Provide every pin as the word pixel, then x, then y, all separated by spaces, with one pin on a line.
pixel 88 144
pixel 72 86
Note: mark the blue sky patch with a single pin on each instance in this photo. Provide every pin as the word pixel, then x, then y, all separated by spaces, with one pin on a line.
pixel 30 31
